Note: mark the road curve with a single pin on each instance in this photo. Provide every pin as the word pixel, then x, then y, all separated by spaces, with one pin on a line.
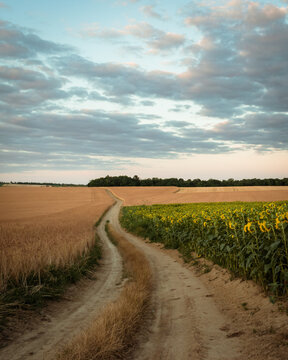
pixel 187 324
pixel 44 341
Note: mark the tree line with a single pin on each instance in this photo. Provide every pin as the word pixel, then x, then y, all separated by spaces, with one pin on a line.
pixel 124 180
pixel 37 183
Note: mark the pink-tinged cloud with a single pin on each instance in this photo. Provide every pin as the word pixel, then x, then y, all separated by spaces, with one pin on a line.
pixel 247 12
pixel 148 10
pixel 156 40
pixel 167 41
pixel 141 30
pixel 257 16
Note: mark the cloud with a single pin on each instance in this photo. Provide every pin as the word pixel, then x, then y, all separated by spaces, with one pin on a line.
pixel 141 30
pixel 120 80
pixel 166 42
pixel 235 12
pixel 3 5
pixel 260 131
pixel 239 64
pixel 237 73
pixel 229 76
pixel 15 160
pixel 87 135
pixel 241 57
pixel 180 108
pixel 149 11
pixel 147 103
pixel 29 82
pixel 28 79
pixel 58 139
pixel 178 124
pixel 263 16
pixel 93 30
pixel 156 40
pixel 138 51
pixel 19 43
pixel 126 3
pixel 25 88
pixel 265 131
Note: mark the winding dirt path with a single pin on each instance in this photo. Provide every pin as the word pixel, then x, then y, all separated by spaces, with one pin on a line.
pixel 187 324
pixel 72 316
pixel 184 321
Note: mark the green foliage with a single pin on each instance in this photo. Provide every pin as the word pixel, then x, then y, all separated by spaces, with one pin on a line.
pixel 124 180
pixel 40 183
pixel 250 239
pixel 50 282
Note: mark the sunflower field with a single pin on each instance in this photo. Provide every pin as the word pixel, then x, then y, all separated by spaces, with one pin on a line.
pixel 249 239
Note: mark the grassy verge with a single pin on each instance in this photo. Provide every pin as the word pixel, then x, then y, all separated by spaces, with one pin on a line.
pixel 49 283
pixel 112 334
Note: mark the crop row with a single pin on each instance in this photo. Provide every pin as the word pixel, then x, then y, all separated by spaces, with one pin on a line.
pixel 250 239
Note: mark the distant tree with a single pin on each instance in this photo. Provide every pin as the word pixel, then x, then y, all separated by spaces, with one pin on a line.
pixel 124 180
pixel 136 180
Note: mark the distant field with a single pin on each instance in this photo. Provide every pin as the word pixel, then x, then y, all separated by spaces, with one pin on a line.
pixel 172 195
pixel 26 202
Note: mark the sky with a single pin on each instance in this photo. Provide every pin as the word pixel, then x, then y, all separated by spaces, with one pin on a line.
pixel 154 88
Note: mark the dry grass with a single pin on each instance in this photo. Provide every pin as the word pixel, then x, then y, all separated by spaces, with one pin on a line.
pixel 28 245
pixel 111 334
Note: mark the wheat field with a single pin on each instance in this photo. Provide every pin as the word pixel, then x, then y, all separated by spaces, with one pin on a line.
pixel 42 227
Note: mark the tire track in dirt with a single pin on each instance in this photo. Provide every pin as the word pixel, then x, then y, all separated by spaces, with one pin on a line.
pixel 186 322
pixel 45 340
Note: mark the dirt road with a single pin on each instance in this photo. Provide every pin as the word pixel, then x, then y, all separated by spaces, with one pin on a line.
pixel 187 324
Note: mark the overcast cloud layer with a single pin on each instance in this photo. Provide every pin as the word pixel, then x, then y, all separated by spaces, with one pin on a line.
pixel 60 109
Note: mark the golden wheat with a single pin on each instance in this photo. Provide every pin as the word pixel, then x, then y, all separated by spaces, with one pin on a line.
pixel 30 244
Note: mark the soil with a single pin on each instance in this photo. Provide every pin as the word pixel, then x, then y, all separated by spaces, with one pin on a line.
pixel 194 314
